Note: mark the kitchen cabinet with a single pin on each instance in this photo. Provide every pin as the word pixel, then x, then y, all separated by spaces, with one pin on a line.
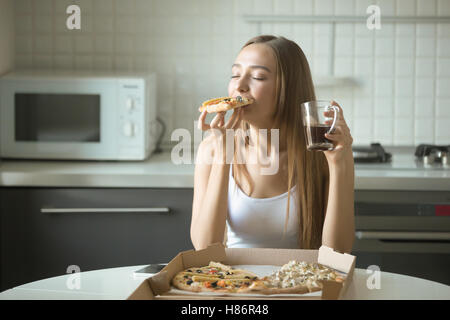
pixel 43 230
pixel 404 231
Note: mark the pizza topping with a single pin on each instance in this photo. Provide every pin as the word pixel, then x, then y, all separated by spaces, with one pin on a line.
pixel 299 273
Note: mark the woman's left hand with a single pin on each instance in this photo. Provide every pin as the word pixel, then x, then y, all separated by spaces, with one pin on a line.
pixel 341 138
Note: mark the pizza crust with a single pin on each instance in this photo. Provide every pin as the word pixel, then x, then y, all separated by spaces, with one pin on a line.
pixel 261 287
pixel 270 291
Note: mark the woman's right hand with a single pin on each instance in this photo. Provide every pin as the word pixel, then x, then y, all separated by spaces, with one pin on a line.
pixel 219 127
pixel 218 122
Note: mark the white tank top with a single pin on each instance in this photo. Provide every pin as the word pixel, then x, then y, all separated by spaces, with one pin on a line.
pixel 259 222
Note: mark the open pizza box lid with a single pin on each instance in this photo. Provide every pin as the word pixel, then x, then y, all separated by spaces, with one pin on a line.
pixel 158 286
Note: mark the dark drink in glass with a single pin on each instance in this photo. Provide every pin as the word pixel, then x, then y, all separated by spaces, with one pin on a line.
pixel 316 124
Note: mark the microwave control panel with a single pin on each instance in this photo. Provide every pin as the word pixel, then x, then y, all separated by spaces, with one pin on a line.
pixel 136 114
pixel 131 114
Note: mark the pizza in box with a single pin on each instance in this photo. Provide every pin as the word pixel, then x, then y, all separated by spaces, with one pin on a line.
pixel 292 278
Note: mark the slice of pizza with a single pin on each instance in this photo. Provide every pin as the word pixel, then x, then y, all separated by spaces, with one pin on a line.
pixel 224 104
pixel 294 278
pixel 216 277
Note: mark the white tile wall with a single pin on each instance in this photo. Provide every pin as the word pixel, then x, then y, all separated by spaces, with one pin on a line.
pixel 403 69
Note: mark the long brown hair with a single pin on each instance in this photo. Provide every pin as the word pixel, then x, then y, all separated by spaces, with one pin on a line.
pixel 307 169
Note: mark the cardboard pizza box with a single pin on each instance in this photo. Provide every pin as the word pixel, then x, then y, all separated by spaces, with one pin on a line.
pixel 158 285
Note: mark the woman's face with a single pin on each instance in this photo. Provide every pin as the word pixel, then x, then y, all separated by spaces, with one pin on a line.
pixel 254 76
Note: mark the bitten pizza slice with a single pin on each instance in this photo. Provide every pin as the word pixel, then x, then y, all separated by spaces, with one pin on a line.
pixel 224 104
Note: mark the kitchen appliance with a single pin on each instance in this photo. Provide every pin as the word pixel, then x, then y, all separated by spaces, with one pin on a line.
pixel 77 115
pixel 404 231
pixel 374 153
pixel 431 154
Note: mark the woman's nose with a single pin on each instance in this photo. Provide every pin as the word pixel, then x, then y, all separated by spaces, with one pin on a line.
pixel 242 85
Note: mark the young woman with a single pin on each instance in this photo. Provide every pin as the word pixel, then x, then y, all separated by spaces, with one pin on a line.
pixel 308 202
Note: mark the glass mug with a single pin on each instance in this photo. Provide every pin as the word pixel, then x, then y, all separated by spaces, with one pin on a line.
pixel 314 122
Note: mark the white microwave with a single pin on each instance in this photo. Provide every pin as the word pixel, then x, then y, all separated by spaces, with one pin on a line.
pixel 77 115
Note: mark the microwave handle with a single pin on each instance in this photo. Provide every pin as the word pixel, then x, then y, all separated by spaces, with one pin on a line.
pixel 395 235
pixel 106 210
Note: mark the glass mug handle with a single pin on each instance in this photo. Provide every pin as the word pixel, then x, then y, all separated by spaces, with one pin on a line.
pixel 335 116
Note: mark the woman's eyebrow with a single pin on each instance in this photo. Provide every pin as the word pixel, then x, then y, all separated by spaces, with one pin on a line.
pixel 253 67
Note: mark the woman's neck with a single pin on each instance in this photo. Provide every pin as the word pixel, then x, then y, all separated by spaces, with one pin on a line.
pixel 268 140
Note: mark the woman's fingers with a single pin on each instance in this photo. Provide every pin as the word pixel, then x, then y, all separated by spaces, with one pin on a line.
pixel 215 123
pixel 335 136
pixel 234 119
pixel 340 136
pixel 231 119
pixel 201 121
pixel 218 122
pixel 339 123
pixel 340 139
pixel 330 114
pixel 238 119
pixel 341 129
pixel 341 112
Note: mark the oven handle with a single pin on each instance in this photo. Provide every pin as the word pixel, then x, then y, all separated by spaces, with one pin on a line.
pixel 395 235
pixel 105 210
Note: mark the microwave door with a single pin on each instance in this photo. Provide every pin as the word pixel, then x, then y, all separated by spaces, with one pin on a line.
pixel 57 118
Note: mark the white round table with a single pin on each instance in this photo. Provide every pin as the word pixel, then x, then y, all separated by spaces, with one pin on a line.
pixel 119 283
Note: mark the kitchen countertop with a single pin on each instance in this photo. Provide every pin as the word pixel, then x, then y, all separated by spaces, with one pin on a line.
pixel 119 283
pixel 160 172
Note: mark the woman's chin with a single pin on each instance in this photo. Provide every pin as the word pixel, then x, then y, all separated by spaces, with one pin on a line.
pixel 247 108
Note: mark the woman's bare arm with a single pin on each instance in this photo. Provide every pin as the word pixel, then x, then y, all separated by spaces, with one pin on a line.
pixel 209 207
pixel 339 226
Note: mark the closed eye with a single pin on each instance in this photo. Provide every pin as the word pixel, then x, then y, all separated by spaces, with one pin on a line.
pixel 256 78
